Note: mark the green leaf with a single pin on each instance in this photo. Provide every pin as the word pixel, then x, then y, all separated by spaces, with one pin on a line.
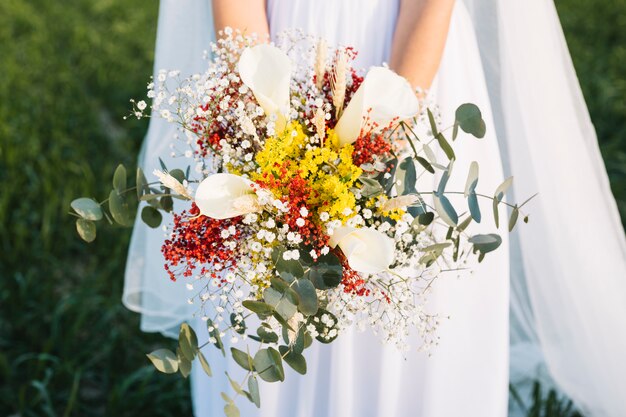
pixel 423 162
pixel 443 182
pixel 166 203
pixel 426 219
pixel 445 210
pixel 371 188
pixel 151 216
pixel 87 208
pixel 86 230
pixel 119 208
pixel 238 326
pixel 215 333
pixel 231 410
pixel 470 120
pixel 472 178
pixel 295 360
pixel 268 364
pixel 242 358
pixel 308 296
pixel 184 364
pixel 445 146
pixel 288 269
pixel 205 364
pixel 258 307
pixel 253 387
pixel 496 214
pixel 464 224
pixel 326 273
pixel 234 384
pixel 433 124
pixel 178 174
pixel 513 218
pixel 141 183
pixel 164 360
pixel 410 176
pixel 472 202
pixel 502 189
pixel 280 302
pixel 486 243
pixel 188 341
pixel 119 178
pixel 265 335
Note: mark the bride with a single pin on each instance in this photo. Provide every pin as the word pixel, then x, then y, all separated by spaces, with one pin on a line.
pixel 565 271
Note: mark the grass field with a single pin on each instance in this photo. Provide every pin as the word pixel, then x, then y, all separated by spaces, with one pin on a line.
pixel 67 69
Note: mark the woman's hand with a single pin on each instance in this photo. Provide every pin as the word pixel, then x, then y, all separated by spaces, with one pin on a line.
pixel 249 16
pixel 419 39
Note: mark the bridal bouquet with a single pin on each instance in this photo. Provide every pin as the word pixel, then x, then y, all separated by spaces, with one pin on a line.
pixel 303 215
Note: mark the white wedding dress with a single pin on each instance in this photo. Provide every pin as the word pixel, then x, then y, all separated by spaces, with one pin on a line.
pixel 497 53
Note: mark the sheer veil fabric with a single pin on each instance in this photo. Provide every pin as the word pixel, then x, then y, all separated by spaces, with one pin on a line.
pixel 568 269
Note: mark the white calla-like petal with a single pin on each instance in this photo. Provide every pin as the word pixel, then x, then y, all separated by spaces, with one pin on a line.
pixel 383 97
pixel 266 70
pixel 224 196
pixel 367 250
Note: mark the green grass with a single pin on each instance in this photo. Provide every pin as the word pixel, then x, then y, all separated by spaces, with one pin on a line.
pixel 67 69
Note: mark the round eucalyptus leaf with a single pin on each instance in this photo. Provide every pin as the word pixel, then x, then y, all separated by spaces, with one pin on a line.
pixel 307 295
pixel 253 387
pixel 119 178
pixel 205 364
pixel 326 273
pixel 184 364
pixel 470 120
pixel 141 183
pixel 164 360
pixel 268 364
pixel 86 230
pixel 445 210
pixel 120 209
pixel 295 360
pixel 151 216
pixel 486 243
pixel 231 410
pixel 87 208
pixel 178 174
pixel 258 307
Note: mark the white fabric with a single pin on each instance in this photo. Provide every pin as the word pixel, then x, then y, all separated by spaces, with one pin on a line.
pixel 568 269
pixel 569 280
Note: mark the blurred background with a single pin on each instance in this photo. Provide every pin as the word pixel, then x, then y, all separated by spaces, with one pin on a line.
pixel 67 71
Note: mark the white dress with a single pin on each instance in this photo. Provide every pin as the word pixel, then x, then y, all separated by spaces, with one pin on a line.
pixel 356 376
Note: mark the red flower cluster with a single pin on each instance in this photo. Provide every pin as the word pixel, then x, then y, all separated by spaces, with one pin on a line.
pixel 197 240
pixel 369 146
pixel 352 282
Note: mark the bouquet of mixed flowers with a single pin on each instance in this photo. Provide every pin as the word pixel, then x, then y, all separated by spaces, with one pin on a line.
pixel 303 214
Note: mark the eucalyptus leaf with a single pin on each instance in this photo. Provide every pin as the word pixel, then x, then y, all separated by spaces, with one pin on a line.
pixel 253 387
pixel 86 230
pixel 470 120
pixel 445 146
pixel 234 384
pixel 178 174
pixel 265 336
pixel 410 175
pixel 184 364
pixel 424 163
pixel 370 188
pixel 426 219
pixel 167 203
pixel 433 124
pixel 141 183
pixel 486 243
pixel 215 333
pixel 164 360
pixel 472 202
pixel 242 359
pixel 496 213
pixel 231 410
pixel 268 364
pixel 205 364
pixel 445 210
pixel 513 218
pixel 187 341
pixel 472 178
pixel 285 308
pixel 238 326
pixel 119 178
pixel 151 216
pixel 502 189
pixel 326 273
pixel 258 307
pixel 119 208
pixel 87 208
pixel 308 296
pixel 295 360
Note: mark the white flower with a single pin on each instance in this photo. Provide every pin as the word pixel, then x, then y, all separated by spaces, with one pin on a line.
pixel 266 70
pixel 300 222
pixel 165 113
pixel 223 196
pixel 367 250
pixel 324 216
pixel 383 97
pixel 303 211
pixel 142 105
